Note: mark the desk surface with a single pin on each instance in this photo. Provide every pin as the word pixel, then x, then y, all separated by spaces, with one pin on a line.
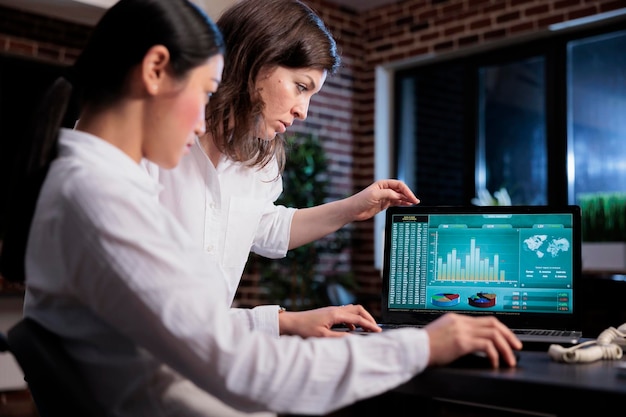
pixel 538 384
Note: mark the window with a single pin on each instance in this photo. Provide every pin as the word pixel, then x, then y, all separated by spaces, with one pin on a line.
pixel 596 114
pixel 432 109
pixel 545 119
pixel 512 150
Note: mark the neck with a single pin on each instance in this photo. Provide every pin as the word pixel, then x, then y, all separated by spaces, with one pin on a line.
pixel 210 149
pixel 116 127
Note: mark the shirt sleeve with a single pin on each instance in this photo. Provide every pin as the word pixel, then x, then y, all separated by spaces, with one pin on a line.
pixel 262 318
pixel 153 278
pixel 273 233
pixel 272 236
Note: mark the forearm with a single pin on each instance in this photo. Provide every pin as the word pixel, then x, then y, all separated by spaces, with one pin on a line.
pixel 313 223
pixel 310 224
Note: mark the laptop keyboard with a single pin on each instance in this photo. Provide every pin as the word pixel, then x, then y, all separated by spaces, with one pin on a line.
pixel 396 326
pixel 525 332
pixel 536 332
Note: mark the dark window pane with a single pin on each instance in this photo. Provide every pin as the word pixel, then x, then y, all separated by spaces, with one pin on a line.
pixel 596 116
pixel 431 141
pixel 512 131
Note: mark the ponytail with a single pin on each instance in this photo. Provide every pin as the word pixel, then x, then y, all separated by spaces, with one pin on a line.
pixel 117 44
pixel 34 157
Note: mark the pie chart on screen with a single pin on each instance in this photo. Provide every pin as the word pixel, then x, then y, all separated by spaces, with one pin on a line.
pixel 444 299
pixel 482 300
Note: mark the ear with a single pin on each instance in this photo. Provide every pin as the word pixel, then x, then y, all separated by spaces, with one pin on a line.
pixel 265 72
pixel 154 68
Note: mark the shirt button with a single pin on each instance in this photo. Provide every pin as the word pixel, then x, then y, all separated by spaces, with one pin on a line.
pixel 209 248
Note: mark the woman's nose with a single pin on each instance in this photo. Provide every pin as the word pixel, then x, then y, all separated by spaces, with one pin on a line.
pixel 200 127
pixel 300 112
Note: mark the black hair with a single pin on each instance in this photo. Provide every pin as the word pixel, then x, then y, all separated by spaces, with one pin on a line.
pixel 117 44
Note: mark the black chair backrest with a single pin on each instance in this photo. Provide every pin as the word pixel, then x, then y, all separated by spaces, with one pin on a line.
pixel 57 387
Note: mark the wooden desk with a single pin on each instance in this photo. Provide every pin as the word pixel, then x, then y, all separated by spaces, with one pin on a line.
pixel 537 387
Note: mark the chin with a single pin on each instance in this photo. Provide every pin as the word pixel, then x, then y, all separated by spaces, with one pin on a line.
pixel 171 163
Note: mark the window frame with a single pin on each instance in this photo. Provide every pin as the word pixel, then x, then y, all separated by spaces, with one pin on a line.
pixel 550 43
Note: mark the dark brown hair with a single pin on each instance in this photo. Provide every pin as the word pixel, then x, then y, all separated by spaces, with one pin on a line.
pixel 258 35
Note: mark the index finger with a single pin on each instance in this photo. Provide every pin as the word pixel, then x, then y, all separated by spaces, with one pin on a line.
pixel 404 191
pixel 357 320
pixel 511 338
pixel 360 311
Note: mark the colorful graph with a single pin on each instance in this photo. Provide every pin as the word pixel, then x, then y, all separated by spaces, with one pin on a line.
pixel 445 299
pixel 482 300
pixel 472 267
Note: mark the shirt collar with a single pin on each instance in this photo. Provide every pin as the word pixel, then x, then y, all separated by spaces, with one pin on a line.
pixel 97 152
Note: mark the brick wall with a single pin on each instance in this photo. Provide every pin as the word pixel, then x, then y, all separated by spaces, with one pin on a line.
pixel 405 30
pixel 42 38
pixel 342 115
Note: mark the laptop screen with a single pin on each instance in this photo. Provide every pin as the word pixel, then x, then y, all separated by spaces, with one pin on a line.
pixel 520 263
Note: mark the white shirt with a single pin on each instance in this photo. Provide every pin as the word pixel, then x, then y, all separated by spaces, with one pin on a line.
pixel 229 211
pixel 113 272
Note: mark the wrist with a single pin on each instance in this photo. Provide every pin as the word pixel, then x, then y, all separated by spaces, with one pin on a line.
pixel 284 321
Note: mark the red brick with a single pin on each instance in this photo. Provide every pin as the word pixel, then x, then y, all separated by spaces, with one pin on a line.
pixel 343 113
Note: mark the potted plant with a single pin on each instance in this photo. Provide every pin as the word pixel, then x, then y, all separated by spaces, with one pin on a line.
pixel 309 275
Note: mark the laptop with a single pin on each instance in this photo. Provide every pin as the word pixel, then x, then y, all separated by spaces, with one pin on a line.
pixel 521 264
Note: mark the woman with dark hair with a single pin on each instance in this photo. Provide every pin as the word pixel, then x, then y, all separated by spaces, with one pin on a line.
pixel 115 276
pixel 279 53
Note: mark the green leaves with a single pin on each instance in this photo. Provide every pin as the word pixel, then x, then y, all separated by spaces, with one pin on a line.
pixel 299 280
pixel 603 217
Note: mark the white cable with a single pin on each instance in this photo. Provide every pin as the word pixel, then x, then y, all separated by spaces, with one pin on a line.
pixel 608 345
pixel 585 352
pixel 613 335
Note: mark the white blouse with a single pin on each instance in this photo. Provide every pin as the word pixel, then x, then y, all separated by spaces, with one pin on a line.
pixel 111 271
pixel 229 211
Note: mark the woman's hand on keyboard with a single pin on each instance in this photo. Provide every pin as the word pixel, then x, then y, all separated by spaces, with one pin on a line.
pixel 319 322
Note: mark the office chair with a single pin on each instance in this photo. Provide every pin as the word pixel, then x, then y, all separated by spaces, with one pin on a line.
pixel 52 377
